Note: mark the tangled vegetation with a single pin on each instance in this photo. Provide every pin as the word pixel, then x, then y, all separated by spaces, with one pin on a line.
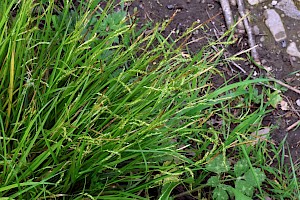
pixel 91 107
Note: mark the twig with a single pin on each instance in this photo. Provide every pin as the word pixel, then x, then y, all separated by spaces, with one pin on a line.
pixel 227 13
pixel 285 85
pixel 293 125
pixel 251 41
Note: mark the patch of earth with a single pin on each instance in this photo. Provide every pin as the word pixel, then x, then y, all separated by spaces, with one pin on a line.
pixel 184 14
pixel 272 54
pixel 283 67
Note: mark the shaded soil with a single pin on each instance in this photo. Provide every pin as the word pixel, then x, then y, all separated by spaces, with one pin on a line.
pixel 283 67
pixel 184 13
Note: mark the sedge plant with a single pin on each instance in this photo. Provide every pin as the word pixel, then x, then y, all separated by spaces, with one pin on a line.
pixel 91 108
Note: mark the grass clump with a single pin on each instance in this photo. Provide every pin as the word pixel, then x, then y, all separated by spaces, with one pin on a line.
pixel 89 108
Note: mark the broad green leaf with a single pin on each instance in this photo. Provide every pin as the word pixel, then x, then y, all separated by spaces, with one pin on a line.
pixel 213 181
pixel 240 167
pixel 255 177
pixel 218 165
pixel 274 99
pixel 220 194
pixel 239 195
pixel 244 187
pixel 228 188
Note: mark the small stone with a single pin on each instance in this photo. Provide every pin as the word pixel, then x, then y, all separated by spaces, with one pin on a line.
pixel 298 102
pixel 188 1
pixel 141 6
pixel 263 61
pixel 292 50
pixel 210 6
pixel 262 39
pixel 274 23
pixel 170 6
pixel 255 30
pixel 254 2
pixel 268 68
pixel 284 105
pixel 274 3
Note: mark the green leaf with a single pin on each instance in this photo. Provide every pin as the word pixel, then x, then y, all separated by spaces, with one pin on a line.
pixel 255 177
pixel 240 167
pixel 244 187
pixel 167 189
pixel 228 188
pixel 213 181
pixel 220 194
pixel 239 196
pixel 274 99
pixel 218 165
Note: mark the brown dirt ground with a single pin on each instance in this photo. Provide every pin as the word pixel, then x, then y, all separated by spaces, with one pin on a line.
pixel 209 13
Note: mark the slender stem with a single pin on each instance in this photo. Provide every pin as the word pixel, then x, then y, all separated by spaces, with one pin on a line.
pixel 251 40
pixel 227 13
pixel 11 83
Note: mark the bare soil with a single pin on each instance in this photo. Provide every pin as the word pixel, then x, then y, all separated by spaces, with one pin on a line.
pixel 209 13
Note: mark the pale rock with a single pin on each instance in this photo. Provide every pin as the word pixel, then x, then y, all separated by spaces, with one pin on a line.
pixel 298 102
pixel 284 105
pixel 254 2
pixel 274 23
pixel 255 30
pixel 292 50
pixel 289 8
pixel 274 3
pixel 268 69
